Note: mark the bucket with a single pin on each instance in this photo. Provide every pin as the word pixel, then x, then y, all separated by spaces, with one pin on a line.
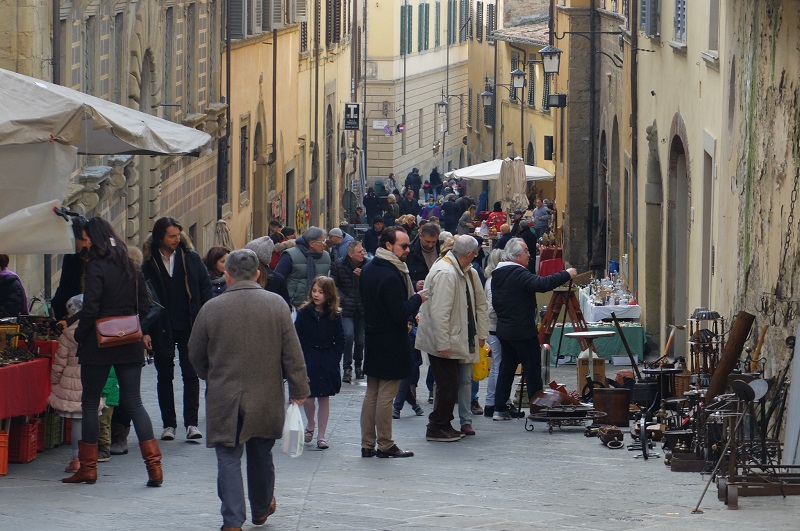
pixel 614 403
pixel 613 267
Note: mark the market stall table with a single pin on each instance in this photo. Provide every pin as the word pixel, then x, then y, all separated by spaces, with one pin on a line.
pixel 24 388
pixel 606 347
pixel 594 314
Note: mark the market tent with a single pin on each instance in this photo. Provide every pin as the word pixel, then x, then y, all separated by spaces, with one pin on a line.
pixel 43 126
pixel 490 171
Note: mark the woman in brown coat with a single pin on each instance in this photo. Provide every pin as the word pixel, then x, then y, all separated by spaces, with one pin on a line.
pixel 114 287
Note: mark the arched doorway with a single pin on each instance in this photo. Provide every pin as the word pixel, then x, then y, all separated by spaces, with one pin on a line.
pixel 600 209
pixel 530 155
pixel 614 208
pixel 330 171
pixel 677 239
pixel 653 199
pixel 259 188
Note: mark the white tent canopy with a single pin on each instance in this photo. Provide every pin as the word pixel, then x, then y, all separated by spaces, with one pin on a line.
pixel 43 126
pixel 490 171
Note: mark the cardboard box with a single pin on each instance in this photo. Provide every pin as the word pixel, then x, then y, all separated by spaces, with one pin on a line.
pixel 599 367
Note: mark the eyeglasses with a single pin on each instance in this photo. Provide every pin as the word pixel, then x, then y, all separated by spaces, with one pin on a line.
pixel 405 246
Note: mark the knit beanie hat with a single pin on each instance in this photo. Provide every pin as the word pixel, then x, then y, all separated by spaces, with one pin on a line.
pixel 263 248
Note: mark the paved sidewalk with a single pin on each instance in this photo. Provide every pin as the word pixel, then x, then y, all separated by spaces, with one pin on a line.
pixel 505 478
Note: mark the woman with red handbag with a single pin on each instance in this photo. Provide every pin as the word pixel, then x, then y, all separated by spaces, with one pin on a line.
pixel 115 294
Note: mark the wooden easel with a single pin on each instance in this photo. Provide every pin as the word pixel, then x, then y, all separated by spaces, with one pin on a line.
pixel 563 297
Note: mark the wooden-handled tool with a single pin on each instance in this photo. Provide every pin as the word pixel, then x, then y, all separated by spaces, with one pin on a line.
pixel 757 354
pixel 627 348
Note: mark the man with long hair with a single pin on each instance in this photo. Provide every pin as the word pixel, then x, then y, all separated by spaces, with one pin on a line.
pixel 182 284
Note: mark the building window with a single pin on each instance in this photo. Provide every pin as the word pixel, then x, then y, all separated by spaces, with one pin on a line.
pixel 244 159
pixel 649 17
pixel 462 22
pixel 424 26
pixel 304 36
pixel 531 83
pixel 680 21
pixel 478 110
pixel 491 23
pixel 626 12
pixel 469 108
pixel 512 94
pixel 406 23
pixel 471 20
pixel 488 112
pixel 169 53
pixel 191 89
pixel 546 92
pixel 479 22
pixel 452 13
pixel 713 26
pixel 120 64
pixel 89 55
pixel 437 25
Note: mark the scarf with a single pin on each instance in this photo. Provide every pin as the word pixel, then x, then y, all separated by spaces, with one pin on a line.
pixel 24 306
pixel 311 258
pixel 429 256
pixel 401 266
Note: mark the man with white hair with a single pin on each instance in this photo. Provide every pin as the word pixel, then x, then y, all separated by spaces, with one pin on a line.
pixel 514 291
pixel 452 328
pixel 244 397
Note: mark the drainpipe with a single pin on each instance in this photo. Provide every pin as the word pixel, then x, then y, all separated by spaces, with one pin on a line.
pixel 592 125
pixel 364 96
pixel 55 61
pixel 273 155
pixel 314 177
pixel 224 142
pixel 494 101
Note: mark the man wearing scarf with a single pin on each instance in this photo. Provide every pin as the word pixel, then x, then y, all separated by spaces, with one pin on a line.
pixel 300 264
pixel 389 300
pixel 452 328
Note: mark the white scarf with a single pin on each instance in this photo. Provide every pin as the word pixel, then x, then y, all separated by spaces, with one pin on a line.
pixel 401 266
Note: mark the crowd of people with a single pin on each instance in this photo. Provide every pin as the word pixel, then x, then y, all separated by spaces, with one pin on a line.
pixel 333 309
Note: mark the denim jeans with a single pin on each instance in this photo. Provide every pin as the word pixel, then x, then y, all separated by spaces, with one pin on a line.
pixel 465 393
pixel 404 394
pixel 165 368
pixel 353 340
pixel 497 356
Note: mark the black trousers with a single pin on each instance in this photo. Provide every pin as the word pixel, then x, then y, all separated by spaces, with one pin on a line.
pixel 526 352
pixel 445 370
pixel 129 376
pixel 165 367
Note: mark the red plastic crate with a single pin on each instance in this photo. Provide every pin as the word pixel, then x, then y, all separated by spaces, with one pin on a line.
pixel 3 453
pixel 40 437
pixel 23 442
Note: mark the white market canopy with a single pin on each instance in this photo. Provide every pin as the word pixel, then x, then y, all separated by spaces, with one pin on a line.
pixel 43 127
pixel 490 171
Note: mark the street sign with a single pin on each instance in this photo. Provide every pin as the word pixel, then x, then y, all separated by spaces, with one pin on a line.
pixel 401 128
pixel 379 124
pixel 388 129
pixel 352 117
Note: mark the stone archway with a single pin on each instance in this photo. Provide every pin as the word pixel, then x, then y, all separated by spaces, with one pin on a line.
pixel 677 216
pixel 653 200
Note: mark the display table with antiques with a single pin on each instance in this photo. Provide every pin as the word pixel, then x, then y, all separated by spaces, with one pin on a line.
pixel 597 305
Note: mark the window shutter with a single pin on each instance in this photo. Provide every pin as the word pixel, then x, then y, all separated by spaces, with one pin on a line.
pixel 337 20
pixel 490 23
pixel 328 22
pixel 402 30
pixel 531 82
pixel 479 22
pixel 237 19
pixel 276 14
pixel 421 28
pixel 437 25
pixel 300 10
pixel 410 33
pixel 427 25
pixel 471 19
pixel 469 108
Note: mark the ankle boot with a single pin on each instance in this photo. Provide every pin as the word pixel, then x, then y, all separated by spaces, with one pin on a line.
pixel 151 454
pixel 119 439
pixel 87 473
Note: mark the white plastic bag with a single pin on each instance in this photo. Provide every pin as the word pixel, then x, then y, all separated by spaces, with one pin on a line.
pixel 293 429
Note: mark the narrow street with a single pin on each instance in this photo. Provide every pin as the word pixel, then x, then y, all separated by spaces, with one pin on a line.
pixel 504 478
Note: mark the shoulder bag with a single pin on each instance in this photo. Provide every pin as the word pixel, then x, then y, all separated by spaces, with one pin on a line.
pixel 119 329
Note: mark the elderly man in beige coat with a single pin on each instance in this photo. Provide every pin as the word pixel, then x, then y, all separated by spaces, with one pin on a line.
pixel 452 328
pixel 243 344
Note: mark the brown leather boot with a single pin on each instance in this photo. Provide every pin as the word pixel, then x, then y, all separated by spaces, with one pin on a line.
pixel 151 454
pixel 87 473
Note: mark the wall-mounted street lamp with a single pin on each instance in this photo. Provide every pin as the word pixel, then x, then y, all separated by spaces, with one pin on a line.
pixel 551 59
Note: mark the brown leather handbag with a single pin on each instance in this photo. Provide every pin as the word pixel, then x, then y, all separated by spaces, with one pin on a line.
pixel 119 329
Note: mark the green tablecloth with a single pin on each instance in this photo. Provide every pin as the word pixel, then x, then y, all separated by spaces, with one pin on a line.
pixel 606 346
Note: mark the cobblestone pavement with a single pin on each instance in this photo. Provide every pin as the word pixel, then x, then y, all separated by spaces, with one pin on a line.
pixel 505 478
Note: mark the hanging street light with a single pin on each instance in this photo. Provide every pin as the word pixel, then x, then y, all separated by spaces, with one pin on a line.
pixel 518 79
pixel 551 59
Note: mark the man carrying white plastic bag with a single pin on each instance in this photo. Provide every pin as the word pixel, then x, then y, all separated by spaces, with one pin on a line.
pixel 293 432
pixel 244 344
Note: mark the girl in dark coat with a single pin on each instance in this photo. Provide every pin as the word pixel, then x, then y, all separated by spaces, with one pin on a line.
pixel 114 287
pixel 215 263
pixel 319 328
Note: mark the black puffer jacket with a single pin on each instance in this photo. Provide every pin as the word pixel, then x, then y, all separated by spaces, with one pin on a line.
pixel 348 285
pixel 514 291
pixel 11 298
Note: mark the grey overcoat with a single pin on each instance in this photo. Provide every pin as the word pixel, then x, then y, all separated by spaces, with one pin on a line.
pixel 244 344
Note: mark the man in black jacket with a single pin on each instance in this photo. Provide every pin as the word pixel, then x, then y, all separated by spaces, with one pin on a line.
pixel 389 300
pixel 423 253
pixel 71 281
pixel 372 235
pixel 346 274
pixel 414 181
pixel 529 237
pixel 182 285
pixel 409 204
pixel 451 214
pixel 514 291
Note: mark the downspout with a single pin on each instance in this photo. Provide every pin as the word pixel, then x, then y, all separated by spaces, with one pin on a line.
pixel 273 155
pixel 592 126
pixel 364 96
pixel 634 121
pixel 56 62
pixel 446 118
pixel 521 103
pixel 405 59
pixel 353 96
pixel 494 102
pixel 314 157
pixel 224 142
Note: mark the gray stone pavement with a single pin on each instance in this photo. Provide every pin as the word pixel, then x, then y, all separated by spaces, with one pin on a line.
pixel 504 478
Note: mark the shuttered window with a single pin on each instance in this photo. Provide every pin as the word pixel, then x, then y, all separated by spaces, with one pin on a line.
pixel 437 25
pixel 479 22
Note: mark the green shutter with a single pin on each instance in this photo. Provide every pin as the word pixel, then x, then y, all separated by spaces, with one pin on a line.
pixel 402 30
pixel 437 25
pixel 427 25
pixel 410 38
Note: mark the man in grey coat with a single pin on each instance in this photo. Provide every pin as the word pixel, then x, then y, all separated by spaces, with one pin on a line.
pixel 244 344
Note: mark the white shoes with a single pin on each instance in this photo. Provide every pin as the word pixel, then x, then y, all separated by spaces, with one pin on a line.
pixel 192 433
pixel 168 434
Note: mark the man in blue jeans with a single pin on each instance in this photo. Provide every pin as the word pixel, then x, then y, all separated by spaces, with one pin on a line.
pixel 346 274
